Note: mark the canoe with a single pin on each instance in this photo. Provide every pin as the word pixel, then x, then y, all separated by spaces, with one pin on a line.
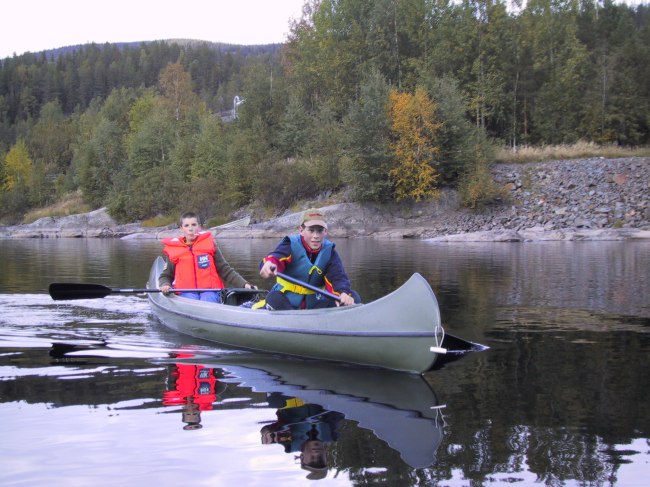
pixel 400 331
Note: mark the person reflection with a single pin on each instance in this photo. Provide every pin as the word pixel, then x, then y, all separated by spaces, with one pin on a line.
pixel 305 428
pixel 191 415
pixel 194 388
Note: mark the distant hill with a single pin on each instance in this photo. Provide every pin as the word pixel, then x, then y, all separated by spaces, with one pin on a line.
pixel 54 54
pixel 73 76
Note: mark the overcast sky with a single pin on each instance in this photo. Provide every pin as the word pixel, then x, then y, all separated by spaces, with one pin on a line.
pixel 37 25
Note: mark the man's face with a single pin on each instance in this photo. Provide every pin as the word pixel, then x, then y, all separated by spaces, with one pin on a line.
pixel 313 235
pixel 313 453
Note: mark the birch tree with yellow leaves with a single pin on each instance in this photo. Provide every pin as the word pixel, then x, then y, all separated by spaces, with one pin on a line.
pixel 414 130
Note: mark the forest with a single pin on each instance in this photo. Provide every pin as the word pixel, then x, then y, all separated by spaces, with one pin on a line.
pixel 376 101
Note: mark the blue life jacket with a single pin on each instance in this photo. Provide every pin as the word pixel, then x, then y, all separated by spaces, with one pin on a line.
pixel 302 268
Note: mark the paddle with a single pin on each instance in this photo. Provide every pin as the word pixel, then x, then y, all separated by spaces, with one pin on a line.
pixel 308 286
pixel 64 290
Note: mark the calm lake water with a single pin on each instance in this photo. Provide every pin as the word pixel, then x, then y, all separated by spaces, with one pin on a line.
pixel 93 392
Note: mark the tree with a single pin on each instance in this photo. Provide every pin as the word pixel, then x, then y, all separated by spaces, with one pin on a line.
pixel 616 101
pixel 560 69
pixel 457 135
pixel 210 154
pixel 326 52
pixel 294 130
pixel 366 127
pixel 18 175
pixel 151 135
pixel 100 152
pixel 50 143
pixel 176 86
pixel 154 193
pixel 325 148
pixel 414 133
pixel 18 168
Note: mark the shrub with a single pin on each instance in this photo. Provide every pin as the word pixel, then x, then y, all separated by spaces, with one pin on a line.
pixel 285 182
pixel 478 189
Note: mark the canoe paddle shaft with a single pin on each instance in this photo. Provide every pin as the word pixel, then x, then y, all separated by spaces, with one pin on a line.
pixel 61 291
pixel 308 286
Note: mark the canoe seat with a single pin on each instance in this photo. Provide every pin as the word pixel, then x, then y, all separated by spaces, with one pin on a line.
pixel 240 295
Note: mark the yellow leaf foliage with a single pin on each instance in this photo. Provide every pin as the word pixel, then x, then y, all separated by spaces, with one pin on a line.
pixel 414 132
pixel 18 166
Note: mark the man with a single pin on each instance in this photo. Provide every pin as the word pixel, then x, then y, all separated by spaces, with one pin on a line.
pixel 311 258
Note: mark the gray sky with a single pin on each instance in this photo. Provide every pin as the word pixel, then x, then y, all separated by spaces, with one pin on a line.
pixel 37 25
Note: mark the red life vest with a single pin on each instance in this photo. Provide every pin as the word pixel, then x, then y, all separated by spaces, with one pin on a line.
pixel 195 267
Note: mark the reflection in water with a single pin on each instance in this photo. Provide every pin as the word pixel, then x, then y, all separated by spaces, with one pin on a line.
pixel 302 427
pixel 311 399
pixel 400 409
pixel 193 387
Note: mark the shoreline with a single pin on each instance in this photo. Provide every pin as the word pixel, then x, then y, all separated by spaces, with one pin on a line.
pixel 570 200
pixel 65 227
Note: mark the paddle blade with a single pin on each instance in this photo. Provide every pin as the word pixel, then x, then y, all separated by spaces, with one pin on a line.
pixel 64 291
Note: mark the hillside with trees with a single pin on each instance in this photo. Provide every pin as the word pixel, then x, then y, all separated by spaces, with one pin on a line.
pixel 383 101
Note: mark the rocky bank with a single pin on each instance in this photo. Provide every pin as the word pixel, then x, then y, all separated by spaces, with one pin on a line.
pixel 588 199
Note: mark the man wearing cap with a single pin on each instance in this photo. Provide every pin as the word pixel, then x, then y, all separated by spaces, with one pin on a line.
pixel 311 258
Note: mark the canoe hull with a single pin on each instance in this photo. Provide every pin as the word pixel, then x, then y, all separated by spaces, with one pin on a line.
pixel 394 332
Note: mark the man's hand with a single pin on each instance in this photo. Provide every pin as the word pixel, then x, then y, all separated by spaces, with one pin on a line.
pixel 268 270
pixel 346 300
pixel 165 289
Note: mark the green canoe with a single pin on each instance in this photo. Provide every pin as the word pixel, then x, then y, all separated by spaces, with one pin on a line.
pixel 400 331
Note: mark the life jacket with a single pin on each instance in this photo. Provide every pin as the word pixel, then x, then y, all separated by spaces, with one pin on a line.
pixel 302 268
pixel 195 266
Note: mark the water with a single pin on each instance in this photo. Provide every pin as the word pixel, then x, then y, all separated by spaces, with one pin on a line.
pixel 560 398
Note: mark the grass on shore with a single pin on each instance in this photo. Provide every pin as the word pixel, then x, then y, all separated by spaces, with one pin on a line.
pixel 579 150
pixel 159 221
pixel 70 204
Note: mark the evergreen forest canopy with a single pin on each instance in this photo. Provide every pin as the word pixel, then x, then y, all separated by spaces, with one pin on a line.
pixel 387 100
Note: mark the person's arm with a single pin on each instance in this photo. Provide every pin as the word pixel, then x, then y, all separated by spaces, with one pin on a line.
pixel 277 260
pixel 338 279
pixel 227 273
pixel 166 277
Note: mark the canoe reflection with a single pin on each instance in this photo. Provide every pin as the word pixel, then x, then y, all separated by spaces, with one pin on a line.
pixel 312 397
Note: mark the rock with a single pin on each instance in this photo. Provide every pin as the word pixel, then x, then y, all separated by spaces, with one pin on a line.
pixel 488 236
